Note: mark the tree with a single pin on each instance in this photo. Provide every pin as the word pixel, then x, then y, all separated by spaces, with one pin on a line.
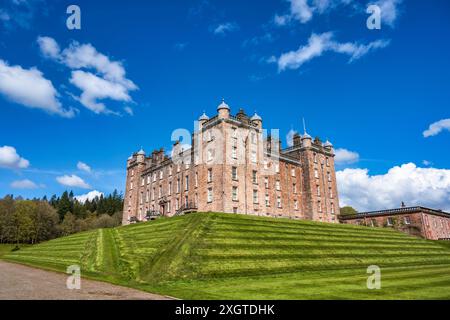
pixel 64 206
pixel 347 211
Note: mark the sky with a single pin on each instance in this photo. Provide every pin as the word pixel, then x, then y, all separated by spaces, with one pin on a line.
pixel 75 103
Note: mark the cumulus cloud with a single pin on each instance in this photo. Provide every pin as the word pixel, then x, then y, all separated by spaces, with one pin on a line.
pixel 389 11
pixel 414 185
pixel 225 28
pixel 83 167
pixel 9 158
pixel 304 10
pixel 89 196
pixel 31 89
pixel 318 44
pixel 72 181
pixel 437 127
pixel 24 184
pixel 344 156
pixel 105 78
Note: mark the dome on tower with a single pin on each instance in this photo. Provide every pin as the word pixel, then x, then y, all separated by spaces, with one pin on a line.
pixel 306 136
pixel 203 117
pixel 328 144
pixel 255 117
pixel 141 152
pixel 223 105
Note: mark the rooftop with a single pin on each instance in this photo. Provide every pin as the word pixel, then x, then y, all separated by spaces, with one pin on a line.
pixel 396 211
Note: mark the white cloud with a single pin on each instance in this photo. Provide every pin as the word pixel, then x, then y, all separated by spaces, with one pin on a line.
pixel 88 196
pixel 108 80
pixel 72 181
pixel 83 167
pixel 389 11
pixel 9 158
pixel 95 88
pixel 427 163
pixel 224 28
pixel 129 110
pixel 304 10
pixel 24 184
pixel 415 186
pixel 437 127
pixel 31 89
pixel 49 47
pixel 344 156
pixel 321 43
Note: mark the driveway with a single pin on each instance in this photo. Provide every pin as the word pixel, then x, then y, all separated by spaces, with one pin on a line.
pixel 22 282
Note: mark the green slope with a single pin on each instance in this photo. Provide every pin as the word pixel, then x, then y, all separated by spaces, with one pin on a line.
pixel 224 256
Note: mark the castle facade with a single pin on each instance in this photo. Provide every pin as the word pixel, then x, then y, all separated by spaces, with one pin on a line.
pixel 232 165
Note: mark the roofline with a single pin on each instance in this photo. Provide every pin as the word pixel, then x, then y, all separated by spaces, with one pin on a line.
pixel 396 211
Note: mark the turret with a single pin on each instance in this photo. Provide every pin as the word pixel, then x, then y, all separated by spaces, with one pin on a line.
pixel 306 140
pixel 223 110
pixel 256 120
pixel 140 156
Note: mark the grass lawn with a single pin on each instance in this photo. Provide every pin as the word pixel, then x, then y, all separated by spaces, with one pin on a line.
pixel 224 256
pixel 6 248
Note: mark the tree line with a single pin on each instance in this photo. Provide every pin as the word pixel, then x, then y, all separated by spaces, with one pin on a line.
pixel 40 219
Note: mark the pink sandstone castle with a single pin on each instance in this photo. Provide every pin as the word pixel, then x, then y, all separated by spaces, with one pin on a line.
pixel 232 167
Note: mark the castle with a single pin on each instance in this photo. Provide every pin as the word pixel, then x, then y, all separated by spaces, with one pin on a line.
pixel 232 167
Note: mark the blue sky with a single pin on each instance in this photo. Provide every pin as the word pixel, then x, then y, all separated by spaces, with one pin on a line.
pixel 373 93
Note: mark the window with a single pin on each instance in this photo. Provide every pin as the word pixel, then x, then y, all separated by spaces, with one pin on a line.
pixel 279 202
pixel 407 220
pixel 294 188
pixel 255 196
pixel 177 204
pixel 153 193
pixel 277 168
pixel 210 177
pixel 234 194
pixel 210 155
pixel 293 172
pixel 141 198
pixel 131 185
pixel 331 192
pixel 148 180
pixel 161 174
pixel 329 176
pixel 132 172
pixel 332 207
pixel 315 157
pixel 210 195
pixel 160 191
pixel 234 133
pixel 142 181
pixel 316 173
pixel 168 206
pixel 170 188
pixel 234 173
pixel 266 165
pixel 266 182
pixel 186 183
pixel 154 176
pixel 277 185
pixel 234 152
pixel 255 176
pixel 178 185
pixel 253 137
pixel 186 201
pixel 267 200
pixel 178 168
pixel 318 190
pixel 253 157
pixel 319 206
pixel 170 170
pixel 147 196
pixel 196 179
pixel 327 162
pixel 390 221
pixel 296 204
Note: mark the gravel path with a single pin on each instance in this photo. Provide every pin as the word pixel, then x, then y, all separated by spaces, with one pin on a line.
pixel 22 282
